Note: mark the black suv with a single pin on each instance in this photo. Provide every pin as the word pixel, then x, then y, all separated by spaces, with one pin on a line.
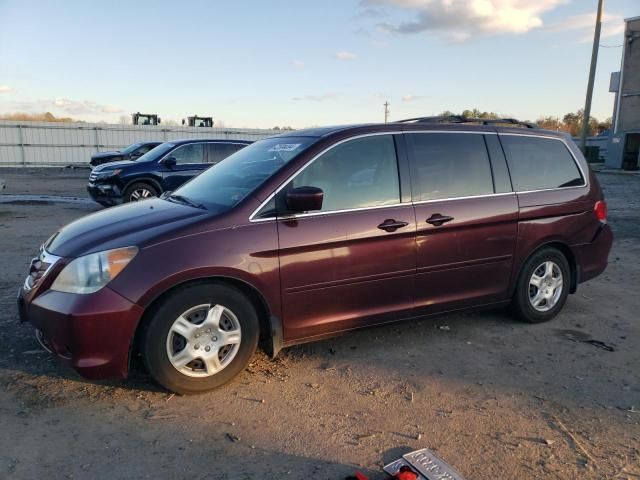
pixel 164 168
pixel 132 152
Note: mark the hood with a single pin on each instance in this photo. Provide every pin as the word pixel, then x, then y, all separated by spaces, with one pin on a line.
pixel 112 166
pixel 132 224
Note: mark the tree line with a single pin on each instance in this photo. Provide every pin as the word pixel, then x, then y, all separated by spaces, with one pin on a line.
pixel 36 117
pixel 570 123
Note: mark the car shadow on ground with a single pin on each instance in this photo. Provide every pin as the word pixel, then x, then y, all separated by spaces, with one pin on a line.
pixel 359 344
pixel 484 347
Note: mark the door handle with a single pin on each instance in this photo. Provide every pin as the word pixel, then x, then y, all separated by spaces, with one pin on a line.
pixel 436 219
pixel 391 225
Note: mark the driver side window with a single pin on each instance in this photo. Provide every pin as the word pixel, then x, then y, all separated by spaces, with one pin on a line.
pixel 188 154
pixel 359 173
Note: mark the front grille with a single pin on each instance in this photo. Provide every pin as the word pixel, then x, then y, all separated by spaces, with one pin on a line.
pixel 38 269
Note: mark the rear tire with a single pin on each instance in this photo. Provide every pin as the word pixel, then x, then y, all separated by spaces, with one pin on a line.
pixel 542 287
pixel 139 191
pixel 200 337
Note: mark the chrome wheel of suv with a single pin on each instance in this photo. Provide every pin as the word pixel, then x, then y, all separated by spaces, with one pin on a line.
pixel 141 194
pixel 545 286
pixel 203 340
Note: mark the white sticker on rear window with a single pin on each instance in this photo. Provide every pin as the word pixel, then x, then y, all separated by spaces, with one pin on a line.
pixel 284 147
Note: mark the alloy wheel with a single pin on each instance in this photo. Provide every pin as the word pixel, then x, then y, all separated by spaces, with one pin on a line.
pixel 141 194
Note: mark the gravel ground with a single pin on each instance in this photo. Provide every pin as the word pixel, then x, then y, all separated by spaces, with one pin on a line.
pixel 493 397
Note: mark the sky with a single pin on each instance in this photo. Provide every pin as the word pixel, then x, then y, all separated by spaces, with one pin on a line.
pixel 306 62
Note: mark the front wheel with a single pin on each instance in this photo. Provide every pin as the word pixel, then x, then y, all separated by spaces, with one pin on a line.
pixel 139 191
pixel 200 337
pixel 543 286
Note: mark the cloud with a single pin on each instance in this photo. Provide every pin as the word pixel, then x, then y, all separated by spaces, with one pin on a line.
pixel 5 89
pixel 460 20
pixel 373 13
pixel 111 109
pixel 68 106
pixel 345 56
pixel 412 98
pixel 584 23
pixel 297 64
pixel 75 107
pixel 317 98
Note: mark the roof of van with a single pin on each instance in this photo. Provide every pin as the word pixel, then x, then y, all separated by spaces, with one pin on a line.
pixel 318 132
pixel 198 140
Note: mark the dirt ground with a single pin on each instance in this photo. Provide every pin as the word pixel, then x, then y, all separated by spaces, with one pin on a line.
pixel 495 398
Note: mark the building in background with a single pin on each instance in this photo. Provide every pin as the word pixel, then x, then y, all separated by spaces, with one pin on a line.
pixel 624 141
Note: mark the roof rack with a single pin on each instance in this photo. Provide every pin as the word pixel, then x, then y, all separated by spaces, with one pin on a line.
pixel 463 119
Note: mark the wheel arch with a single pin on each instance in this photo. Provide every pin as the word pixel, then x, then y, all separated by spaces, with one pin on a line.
pixel 565 249
pixel 270 326
pixel 155 183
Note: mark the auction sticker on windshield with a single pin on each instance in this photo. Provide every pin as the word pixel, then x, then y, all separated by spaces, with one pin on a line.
pixel 284 147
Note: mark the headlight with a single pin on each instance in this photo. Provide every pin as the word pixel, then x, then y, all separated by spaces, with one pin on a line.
pixel 90 273
pixel 108 174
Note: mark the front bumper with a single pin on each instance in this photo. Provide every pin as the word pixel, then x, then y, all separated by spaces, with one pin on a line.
pixel 105 193
pixel 93 333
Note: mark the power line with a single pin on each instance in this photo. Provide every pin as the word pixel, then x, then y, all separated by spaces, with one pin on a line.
pixel 612 46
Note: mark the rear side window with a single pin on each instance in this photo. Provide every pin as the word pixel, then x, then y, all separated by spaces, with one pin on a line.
pixel 144 149
pixel 355 174
pixel 538 163
pixel 448 165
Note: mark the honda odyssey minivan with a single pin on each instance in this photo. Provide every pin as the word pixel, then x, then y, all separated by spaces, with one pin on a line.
pixel 317 232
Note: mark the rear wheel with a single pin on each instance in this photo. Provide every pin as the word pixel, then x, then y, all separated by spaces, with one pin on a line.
pixel 200 337
pixel 139 191
pixel 543 286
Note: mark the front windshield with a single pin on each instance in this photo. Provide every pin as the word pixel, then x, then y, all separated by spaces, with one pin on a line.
pixel 225 184
pixel 156 153
pixel 131 148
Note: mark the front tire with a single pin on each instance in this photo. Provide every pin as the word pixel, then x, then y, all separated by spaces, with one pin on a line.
pixel 200 337
pixel 543 286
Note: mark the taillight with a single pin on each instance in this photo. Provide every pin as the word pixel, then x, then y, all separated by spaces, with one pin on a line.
pixel 600 209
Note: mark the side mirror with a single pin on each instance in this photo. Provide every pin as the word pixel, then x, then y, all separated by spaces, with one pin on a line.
pixel 305 199
pixel 168 161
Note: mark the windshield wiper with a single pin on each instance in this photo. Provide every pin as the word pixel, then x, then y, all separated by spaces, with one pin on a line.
pixel 184 200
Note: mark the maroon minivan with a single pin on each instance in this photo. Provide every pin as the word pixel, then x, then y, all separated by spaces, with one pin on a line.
pixel 317 232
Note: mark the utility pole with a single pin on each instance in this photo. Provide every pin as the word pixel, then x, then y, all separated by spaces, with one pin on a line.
pixel 592 75
pixel 386 112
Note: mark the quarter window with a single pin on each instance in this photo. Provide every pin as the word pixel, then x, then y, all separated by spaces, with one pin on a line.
pixel 448 165
pixel 189 153
pixel 356 174
pixel 538 163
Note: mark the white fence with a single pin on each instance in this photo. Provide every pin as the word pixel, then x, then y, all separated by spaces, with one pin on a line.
pixel 46 144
